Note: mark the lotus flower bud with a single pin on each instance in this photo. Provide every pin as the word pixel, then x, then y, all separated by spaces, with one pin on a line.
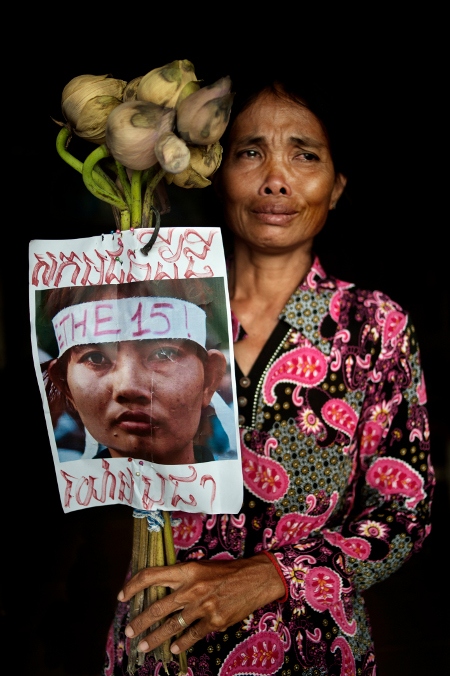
pixel 205 160
pixel 130 91
pixel 164 85
pixel 203 116
pixel 172 153
pixel 87 101
pixel 188 89
pixel 132 131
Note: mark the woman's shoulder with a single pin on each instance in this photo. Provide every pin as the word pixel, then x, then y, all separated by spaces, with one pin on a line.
pixel 324 306
pixel 319 286
pixel 353 293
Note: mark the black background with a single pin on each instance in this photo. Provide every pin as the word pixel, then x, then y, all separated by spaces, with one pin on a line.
pixel 60 573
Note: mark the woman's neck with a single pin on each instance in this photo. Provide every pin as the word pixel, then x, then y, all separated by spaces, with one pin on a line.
pixel 269 279
pixel 259 286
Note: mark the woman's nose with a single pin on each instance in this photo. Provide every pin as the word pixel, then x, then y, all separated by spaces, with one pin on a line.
pixel 275 181
pixel 131 382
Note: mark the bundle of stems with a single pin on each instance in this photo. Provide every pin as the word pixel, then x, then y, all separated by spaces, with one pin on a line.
pixel 132 197
pixel 152 546
pixel 130 193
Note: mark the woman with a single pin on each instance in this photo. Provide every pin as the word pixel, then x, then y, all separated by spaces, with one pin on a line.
pixel 146 394
pixel 334 433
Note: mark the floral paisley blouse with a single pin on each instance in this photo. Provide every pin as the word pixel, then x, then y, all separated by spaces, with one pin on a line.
pixel 337 485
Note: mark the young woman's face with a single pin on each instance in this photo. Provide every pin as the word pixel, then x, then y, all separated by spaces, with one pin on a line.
pixel 140 398
pixel 277 180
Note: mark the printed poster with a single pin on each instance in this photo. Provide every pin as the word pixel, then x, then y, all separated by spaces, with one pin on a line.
pixel 134 358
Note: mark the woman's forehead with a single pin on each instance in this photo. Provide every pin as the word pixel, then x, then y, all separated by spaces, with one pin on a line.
pixel 272 113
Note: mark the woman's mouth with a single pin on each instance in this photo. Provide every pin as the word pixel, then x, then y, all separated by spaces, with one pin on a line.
pixel 274 214
pixel 136 422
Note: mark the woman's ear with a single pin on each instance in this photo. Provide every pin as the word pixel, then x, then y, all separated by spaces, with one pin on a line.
pixel 56 375
pixel 215 367
pixel 339 186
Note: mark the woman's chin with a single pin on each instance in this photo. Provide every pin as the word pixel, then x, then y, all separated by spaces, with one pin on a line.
pixel 165 457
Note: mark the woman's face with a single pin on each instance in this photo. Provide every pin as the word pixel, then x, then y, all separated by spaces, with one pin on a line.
pixel 277 179
pixel 140 398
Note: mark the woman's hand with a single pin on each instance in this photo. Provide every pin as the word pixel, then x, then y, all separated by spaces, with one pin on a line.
pixel 210 596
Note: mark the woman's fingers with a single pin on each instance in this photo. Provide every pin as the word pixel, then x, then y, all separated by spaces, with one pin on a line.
pixel 185 637
pixel 209 596
pixel 163 576
pixel 189 637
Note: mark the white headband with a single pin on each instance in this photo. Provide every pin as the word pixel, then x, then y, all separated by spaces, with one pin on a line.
pixel 134 318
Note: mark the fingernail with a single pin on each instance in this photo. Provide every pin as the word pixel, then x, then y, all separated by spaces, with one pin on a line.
pixel 174 649
pixel 143 646
pixel 129 632
pixel 120 596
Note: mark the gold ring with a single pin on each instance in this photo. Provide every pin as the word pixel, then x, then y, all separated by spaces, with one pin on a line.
pixel 181 622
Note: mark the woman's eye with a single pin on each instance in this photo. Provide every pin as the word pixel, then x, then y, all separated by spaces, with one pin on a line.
pixel 165 354
pixel 308 157
pixel 250 153
pixel 95 358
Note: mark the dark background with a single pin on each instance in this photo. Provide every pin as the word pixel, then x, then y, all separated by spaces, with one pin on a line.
pixel 61 572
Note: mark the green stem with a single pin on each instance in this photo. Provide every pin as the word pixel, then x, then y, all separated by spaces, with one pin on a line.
pixel 139 561
pixel 169 547
pixel 112 198
pixel 125 183
pixel 171 559
pixel 61 146
pixel 148 197
pixel 104 181
pixel 125 220
pixel 136 199
pixel 62 141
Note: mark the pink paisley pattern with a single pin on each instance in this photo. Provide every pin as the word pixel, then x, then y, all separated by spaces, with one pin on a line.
pixel 337 473
pixel 421 391
pixel 394 477
pixel 292 527
pixel 354 546
pixel 323 588
pixel 274 622
pixel 340 415
pixel 394 323
pixel 335 305
pixel 188 531
pixel 304 366
pixel 262 653
pixel 348 667
pixel 371 436
pixel 263 476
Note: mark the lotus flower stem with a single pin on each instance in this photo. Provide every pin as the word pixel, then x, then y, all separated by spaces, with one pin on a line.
pixel 153 593
pixel 112 195
pixel 124 182
pixel 125 220
pixel 171 558
pixel 163 653
pixel 62 141
pixel 148 198
pixel 139 561
pixel 136 199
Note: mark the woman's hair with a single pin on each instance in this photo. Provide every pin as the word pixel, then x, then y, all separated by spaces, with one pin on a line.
pixel 306 89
